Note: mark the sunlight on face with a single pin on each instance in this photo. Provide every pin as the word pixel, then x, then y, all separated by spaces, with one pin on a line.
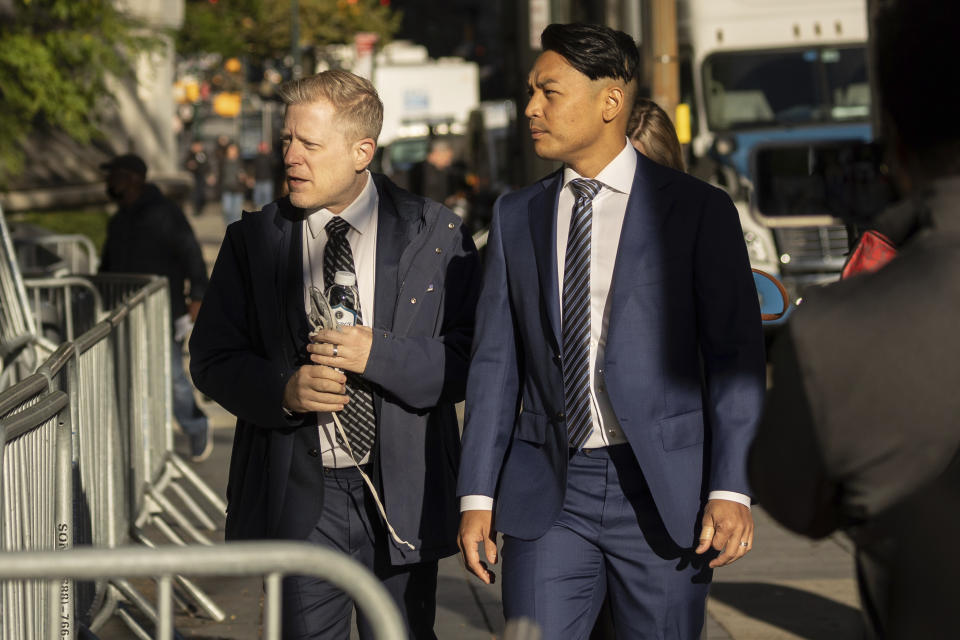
pixel 323 168
pixel 564 109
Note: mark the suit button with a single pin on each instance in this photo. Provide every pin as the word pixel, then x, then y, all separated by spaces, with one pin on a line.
pixel 561 415
pixel 314 452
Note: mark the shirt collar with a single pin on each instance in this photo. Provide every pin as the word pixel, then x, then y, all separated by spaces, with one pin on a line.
pixel 358 213
pixel 617 175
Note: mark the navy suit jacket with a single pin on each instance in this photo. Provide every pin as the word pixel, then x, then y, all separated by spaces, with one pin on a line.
pixel 684 363
pixel 251 335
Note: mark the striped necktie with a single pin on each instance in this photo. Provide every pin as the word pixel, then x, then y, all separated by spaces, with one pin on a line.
pixel 576 314
pixel 357 416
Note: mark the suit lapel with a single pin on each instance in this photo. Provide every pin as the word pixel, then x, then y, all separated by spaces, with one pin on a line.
pixel 641 243
pixel 390 235
pixel 289 278
pixel 543 231
pixel 395 224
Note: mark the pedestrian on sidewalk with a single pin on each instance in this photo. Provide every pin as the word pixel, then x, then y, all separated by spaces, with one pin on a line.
pixel 233 184
pixel 862 427
pixel 264 175
pixel 617 373
pixel 391 381
pixel 198 164
pixel 150 234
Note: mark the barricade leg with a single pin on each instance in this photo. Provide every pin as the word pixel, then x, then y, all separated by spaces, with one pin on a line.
pixel 165 506
pixel 215 501
pixel 204 602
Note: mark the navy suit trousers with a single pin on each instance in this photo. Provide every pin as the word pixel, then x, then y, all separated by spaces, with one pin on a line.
pixel 608 538
pixel 350 523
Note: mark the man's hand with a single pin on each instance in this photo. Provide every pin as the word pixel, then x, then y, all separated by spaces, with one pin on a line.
pixel 347 349
pixel 725 525
pixel 315 388
pixel 476 526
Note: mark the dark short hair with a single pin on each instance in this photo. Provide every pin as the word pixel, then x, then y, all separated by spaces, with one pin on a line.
pixel 915 44
pixel 594 50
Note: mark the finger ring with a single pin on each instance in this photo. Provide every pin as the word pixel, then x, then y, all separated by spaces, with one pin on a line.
pixel 744 544
pixel 336 352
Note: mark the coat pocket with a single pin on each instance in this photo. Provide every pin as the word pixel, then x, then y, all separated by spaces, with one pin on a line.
pixel 684 430
pixel 531 427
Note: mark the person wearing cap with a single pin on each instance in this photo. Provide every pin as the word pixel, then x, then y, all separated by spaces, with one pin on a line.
pixel 150 234
pixel 344 439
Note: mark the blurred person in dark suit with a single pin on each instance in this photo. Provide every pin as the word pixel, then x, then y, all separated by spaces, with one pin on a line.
pixel 862 427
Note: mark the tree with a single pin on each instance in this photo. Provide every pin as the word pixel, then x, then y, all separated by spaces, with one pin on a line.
pixel 55 56
pixel 261 28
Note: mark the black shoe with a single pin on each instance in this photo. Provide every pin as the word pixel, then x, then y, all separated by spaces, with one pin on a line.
pixel 201 445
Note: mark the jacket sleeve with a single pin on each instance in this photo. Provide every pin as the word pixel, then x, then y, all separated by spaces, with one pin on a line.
pixel 228 359
pixel 786 465
pixel 731 341
pixel 424 371
pixel 493 386
pixel 190 255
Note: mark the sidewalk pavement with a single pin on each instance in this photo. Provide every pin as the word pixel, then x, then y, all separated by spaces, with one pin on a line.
pixel 787 588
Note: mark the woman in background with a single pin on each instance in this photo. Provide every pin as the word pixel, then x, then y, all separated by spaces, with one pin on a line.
pixel 653 134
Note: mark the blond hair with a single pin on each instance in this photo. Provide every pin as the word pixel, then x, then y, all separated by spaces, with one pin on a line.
pixel 354 98
pixel 651 127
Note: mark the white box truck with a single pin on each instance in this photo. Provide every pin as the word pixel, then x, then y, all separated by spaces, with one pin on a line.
pixel 774 72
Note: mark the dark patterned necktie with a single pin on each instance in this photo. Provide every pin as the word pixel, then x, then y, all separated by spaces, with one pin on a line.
pixel 576 314
pixel 357 416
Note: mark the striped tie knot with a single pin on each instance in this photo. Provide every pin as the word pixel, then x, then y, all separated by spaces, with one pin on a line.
pixel 585 189
pixel 337 227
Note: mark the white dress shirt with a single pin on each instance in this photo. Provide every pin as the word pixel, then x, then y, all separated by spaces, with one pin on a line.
pixel 362 215
pixel 609 209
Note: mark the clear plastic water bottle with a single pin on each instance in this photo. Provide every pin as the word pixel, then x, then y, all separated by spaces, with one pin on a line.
pixel 344 298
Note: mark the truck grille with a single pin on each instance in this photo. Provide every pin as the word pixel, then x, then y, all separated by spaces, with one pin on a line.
pixel 812 248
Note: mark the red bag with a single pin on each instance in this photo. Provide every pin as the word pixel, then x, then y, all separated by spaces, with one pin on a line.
pixel 873 250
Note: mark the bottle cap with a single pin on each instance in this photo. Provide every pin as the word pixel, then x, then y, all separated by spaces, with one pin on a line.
pixel 345 278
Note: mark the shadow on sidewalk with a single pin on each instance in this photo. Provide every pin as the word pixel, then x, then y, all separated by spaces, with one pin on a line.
pixel 799 612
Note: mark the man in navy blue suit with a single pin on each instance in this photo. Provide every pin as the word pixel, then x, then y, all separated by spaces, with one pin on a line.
pixel 617 374
pixel 391 380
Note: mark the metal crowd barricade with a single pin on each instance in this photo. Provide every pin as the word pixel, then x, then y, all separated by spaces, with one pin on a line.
pixel 36 498
pixel 77 251
pixel 116 376
pixel 273 560
pixel 63 307
pixel 122 382
pixel 21 346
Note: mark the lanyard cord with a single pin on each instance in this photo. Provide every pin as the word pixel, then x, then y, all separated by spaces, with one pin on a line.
pixel 343 436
